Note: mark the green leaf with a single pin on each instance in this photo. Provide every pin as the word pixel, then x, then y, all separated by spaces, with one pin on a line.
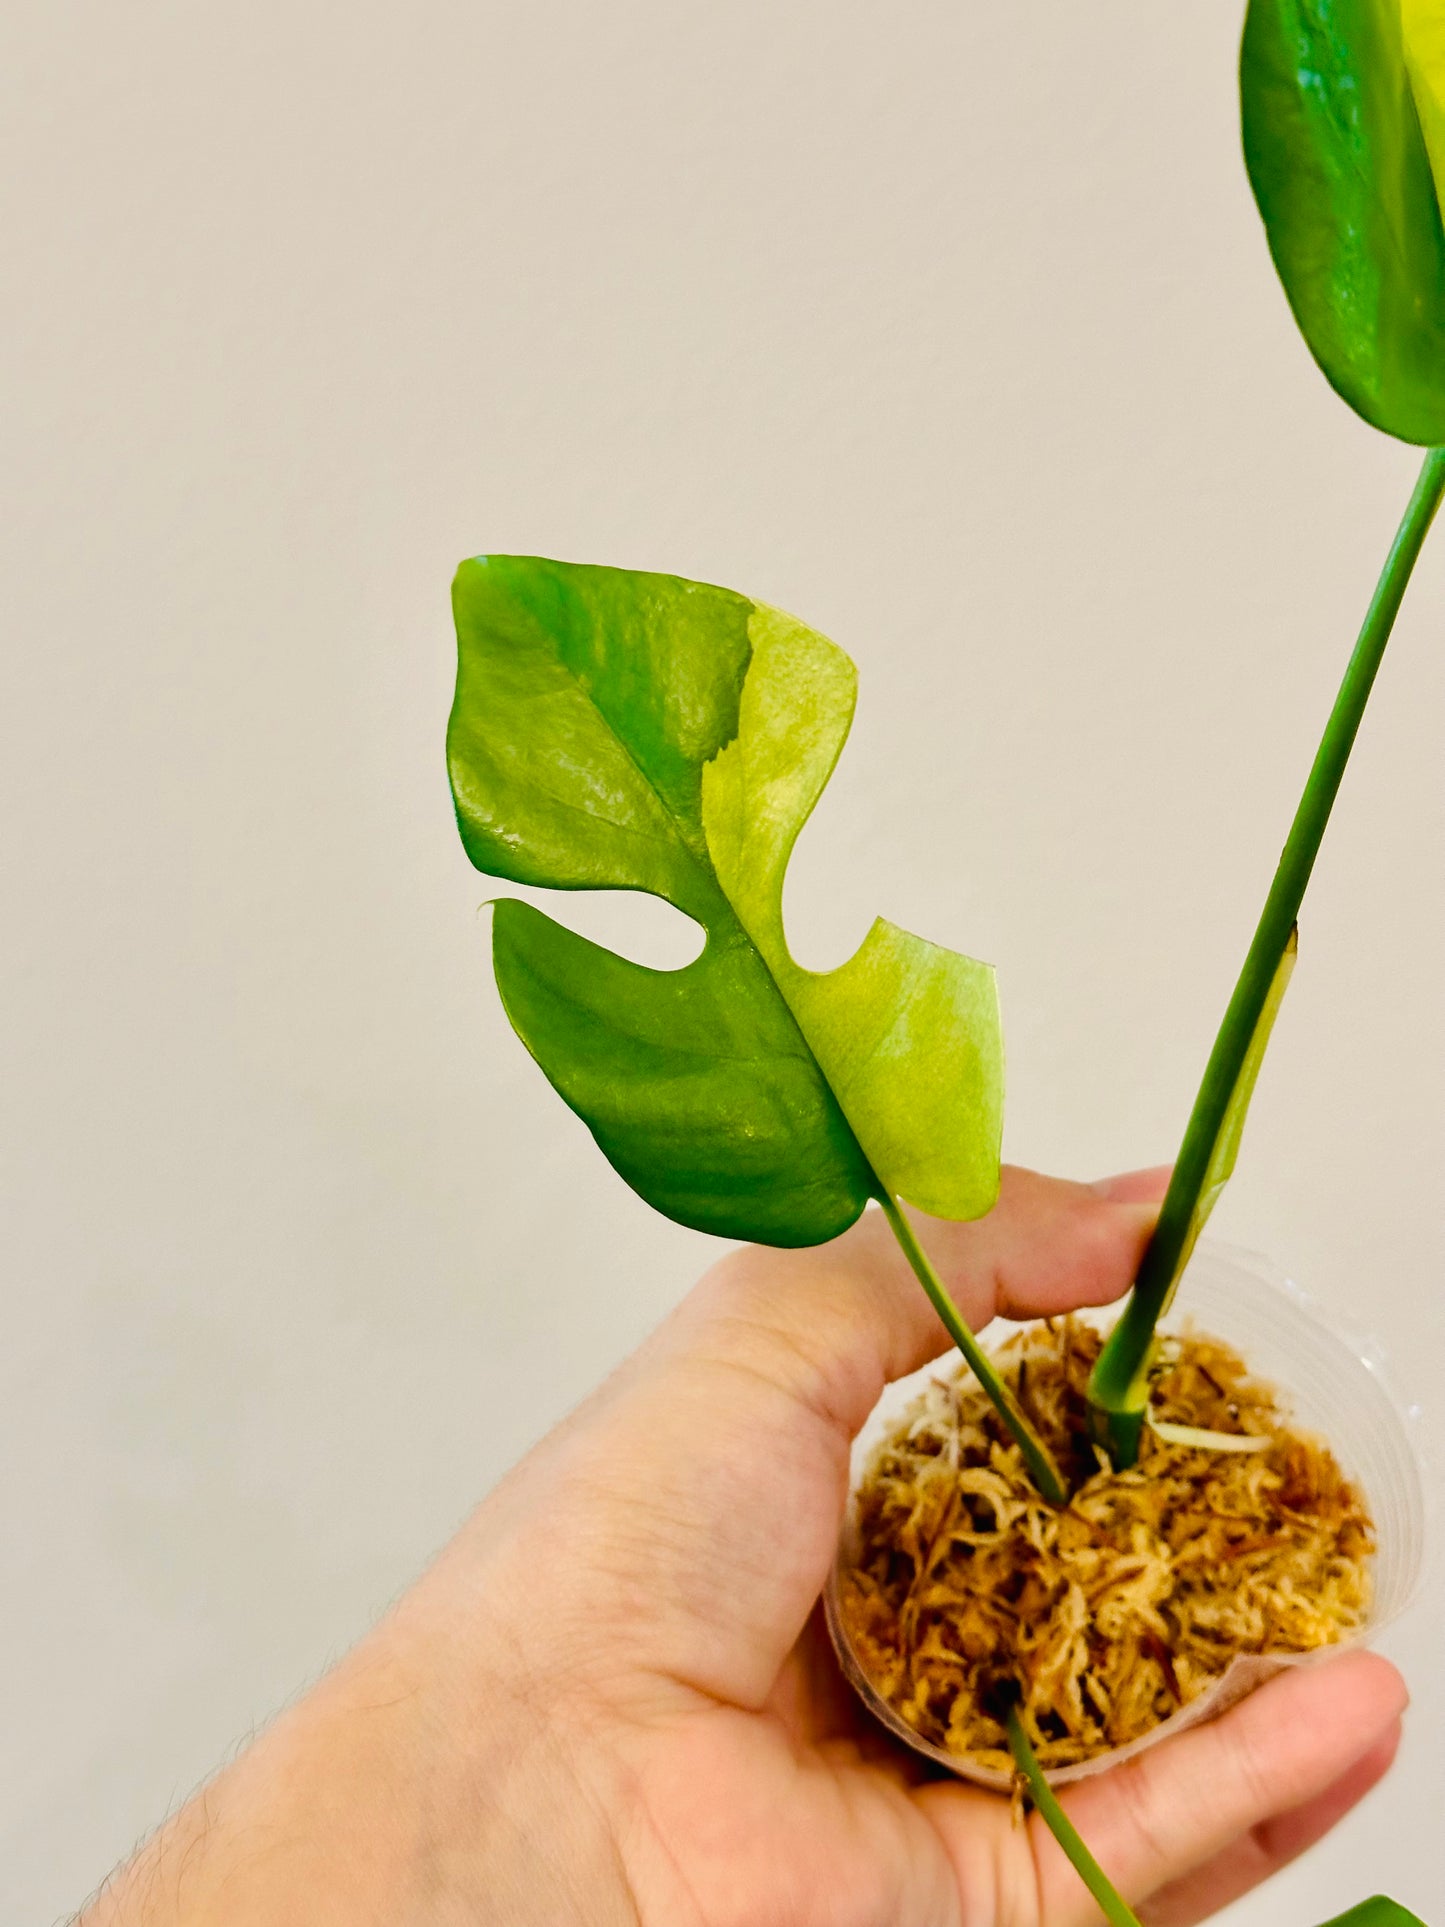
pixel 1224 1154
pixel 1377 1912
pixel 615 730
pixel 695 1083
pixel 1340 170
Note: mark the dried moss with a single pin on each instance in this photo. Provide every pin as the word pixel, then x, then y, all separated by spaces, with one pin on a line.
pixel 1129 1602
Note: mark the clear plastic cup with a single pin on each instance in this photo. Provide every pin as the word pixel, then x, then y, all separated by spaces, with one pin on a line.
pixel 1334 1382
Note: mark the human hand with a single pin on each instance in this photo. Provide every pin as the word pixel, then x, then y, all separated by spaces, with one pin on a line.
pixel 612 1700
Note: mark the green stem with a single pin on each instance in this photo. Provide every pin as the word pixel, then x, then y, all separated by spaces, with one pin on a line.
pixel 1118 1389
pixel 1037 1456
pixel 1061 1827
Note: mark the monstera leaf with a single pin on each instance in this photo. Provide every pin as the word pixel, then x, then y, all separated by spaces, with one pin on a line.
pixel 1342 107
pixel 615 730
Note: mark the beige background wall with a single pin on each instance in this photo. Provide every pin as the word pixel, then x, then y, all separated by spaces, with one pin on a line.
pixel 949 327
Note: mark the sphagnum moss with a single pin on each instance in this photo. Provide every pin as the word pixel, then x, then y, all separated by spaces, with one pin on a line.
pixel 1115 1610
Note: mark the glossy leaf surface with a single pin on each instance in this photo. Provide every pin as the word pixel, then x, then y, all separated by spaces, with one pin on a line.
pixel 622 730
pixel 1339 166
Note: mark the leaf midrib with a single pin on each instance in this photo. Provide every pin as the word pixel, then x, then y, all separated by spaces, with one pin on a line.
pixel 704 867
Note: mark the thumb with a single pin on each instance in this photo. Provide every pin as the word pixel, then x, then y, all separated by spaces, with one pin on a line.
pixel 709 1476
pixel 1135 1187
pixel 836 1323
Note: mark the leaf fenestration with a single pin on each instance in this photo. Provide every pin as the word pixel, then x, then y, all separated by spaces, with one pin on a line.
pixel 906 1033
pixel 621 730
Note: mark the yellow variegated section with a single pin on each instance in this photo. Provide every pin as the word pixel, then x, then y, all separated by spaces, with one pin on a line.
pixel 1423 23
pixel 907 1034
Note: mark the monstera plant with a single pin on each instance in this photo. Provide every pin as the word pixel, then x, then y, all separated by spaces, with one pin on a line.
pixel 626 731
pixel 619 730
pixel 1343 114
pixel 1343 105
